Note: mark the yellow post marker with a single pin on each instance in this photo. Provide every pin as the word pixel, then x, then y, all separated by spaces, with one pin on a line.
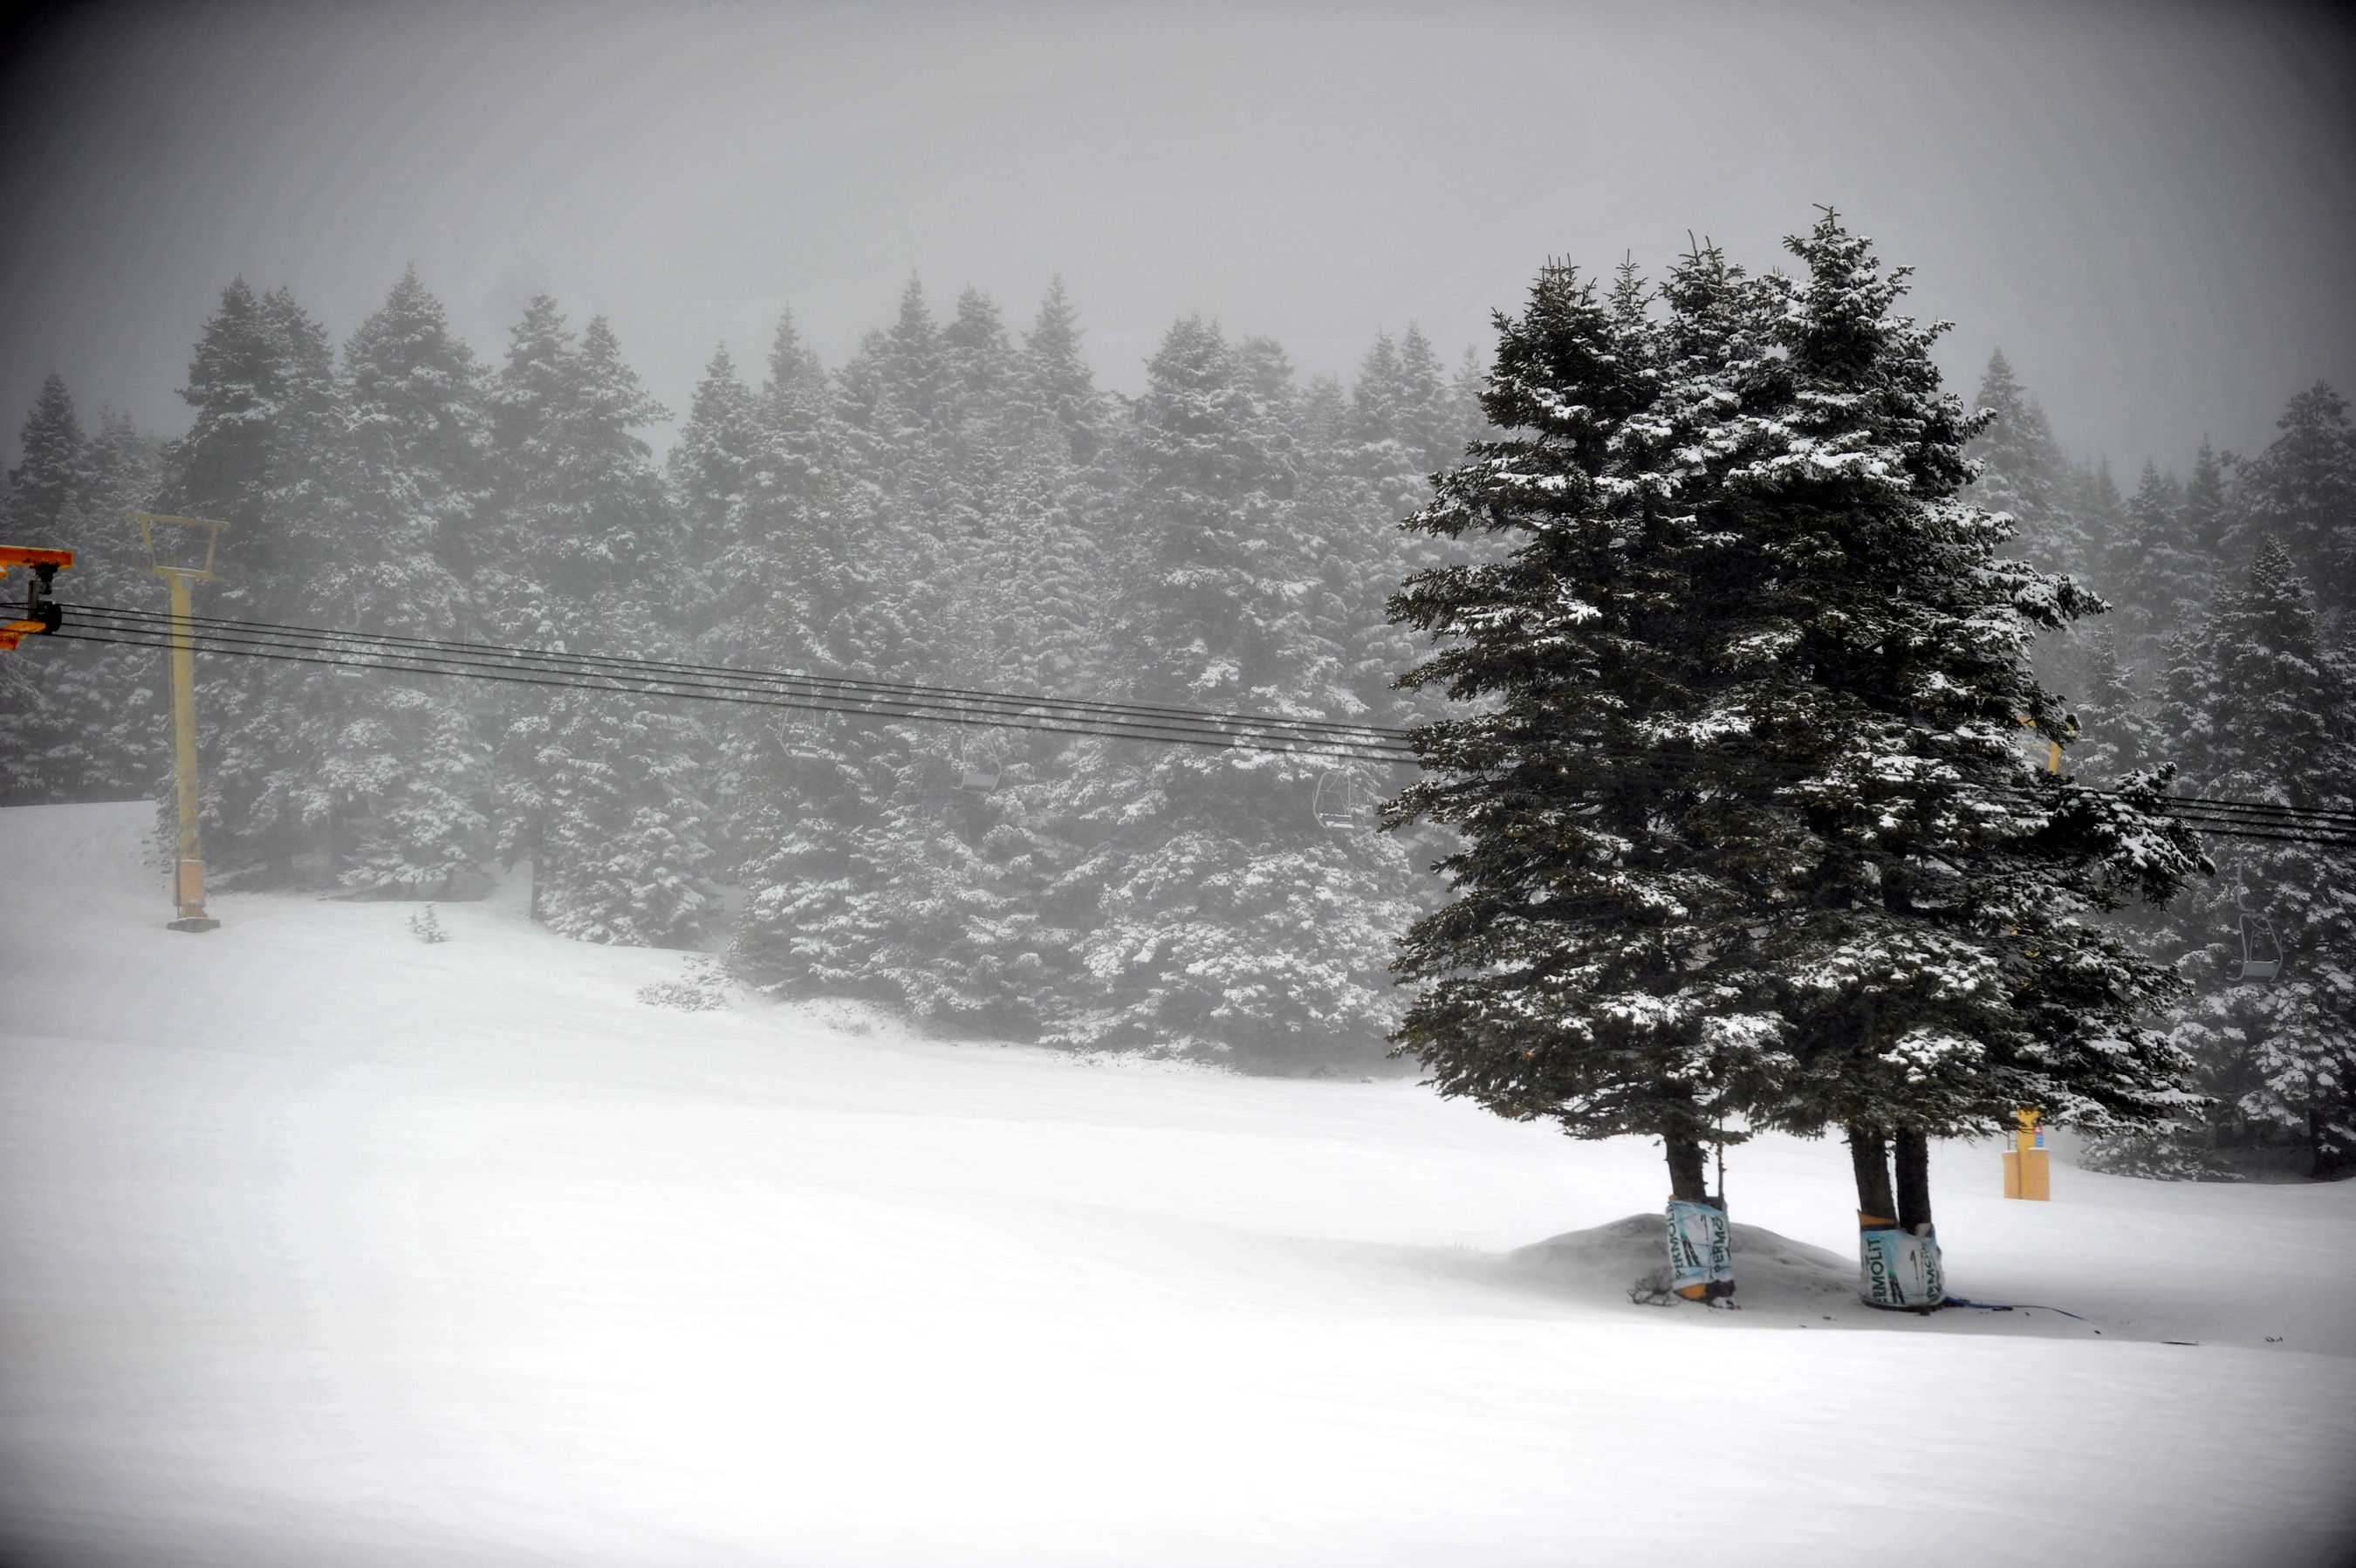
pixel 180 550
pixel 2028 1168
pixel 2052 748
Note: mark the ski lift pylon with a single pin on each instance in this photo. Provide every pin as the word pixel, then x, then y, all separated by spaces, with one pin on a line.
pixel 2261 952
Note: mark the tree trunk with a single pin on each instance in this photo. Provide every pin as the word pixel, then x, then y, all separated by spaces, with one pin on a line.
pixel 1913 1153
pixel 1869 1153
pixel 1688 1174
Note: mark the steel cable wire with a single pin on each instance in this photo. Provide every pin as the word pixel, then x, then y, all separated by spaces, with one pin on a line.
pixel 361 643
pixel 778 694
pixel 1049 723
pixel 911 702
pixel 390 640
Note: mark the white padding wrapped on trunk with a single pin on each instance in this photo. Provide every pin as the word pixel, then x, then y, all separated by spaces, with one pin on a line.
pixel 1701 1250
pixel 1900 1269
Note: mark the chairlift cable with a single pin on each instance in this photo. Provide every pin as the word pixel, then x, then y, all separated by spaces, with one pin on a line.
pixel 390 640
pixel 643 669
pixel 907 702
pixel 1209 738
pixel 2215 816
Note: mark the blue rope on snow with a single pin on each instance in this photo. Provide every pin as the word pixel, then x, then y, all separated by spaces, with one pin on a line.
pixel 2007 1307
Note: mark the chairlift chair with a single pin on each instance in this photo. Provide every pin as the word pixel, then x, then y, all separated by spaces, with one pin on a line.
pixel 2261 953
pixel 1342 803
pixel 978 765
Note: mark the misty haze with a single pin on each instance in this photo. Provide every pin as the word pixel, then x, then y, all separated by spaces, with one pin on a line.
pixel 1050 785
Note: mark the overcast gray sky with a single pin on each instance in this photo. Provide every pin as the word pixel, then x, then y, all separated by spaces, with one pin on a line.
pixel 2150 206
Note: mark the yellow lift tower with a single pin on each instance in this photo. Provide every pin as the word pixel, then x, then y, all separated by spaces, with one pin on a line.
pixel 180 550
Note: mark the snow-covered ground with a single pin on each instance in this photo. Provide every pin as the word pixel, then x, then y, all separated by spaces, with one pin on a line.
pixel 320 1245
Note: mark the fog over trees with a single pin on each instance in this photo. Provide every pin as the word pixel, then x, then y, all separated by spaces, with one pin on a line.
pixel 959 503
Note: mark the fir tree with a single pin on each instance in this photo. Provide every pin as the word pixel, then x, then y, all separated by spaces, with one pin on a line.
pixel 2118 737
pixel 418 403
pixel 2264 710
pixel 2301 492
pixel 2155 565
pixel 1746 834
pixel 2205 517
pixel 601 790
pixel 980 915
pixel 398 772
pixel 82 721
pixel 711 469
pixel 39 754
pixel 1230 921
pixel 221 467
pixel 46 481
pixel 2024 473
pixel 1057 384
pixel 798 795
pixel 259 456
pixel 815 918
pixel 118 697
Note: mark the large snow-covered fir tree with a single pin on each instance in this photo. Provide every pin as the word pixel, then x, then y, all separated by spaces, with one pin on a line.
pixel 790 781
pixel 1230 921
pixel 397 772
pixel 980 919
pixel 601 791
pixel 1747 831
pixel 259 455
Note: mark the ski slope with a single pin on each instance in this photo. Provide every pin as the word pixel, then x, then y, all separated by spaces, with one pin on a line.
pixel 320 1245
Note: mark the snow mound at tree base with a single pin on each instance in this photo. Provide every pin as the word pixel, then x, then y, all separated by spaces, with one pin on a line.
pixel 1606 1261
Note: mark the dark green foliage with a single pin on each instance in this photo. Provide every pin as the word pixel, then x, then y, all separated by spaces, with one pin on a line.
pixel 77 721
pixel 1710 807
pixel 2024 473
pixel 396 778
pixel 2155 567
pixel 603 795
pixel 2300 492
pixel 1228 921
pixel 2260 709
pixel 1743 647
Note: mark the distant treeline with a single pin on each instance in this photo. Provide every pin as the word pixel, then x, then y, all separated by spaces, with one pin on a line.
pixel 957 504
pixel 960 504
pixel 2226 652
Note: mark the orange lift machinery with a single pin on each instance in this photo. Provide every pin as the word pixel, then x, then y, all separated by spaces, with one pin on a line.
pixel 41 612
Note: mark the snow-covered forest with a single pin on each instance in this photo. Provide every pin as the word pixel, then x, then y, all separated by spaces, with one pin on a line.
pixel 959 503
